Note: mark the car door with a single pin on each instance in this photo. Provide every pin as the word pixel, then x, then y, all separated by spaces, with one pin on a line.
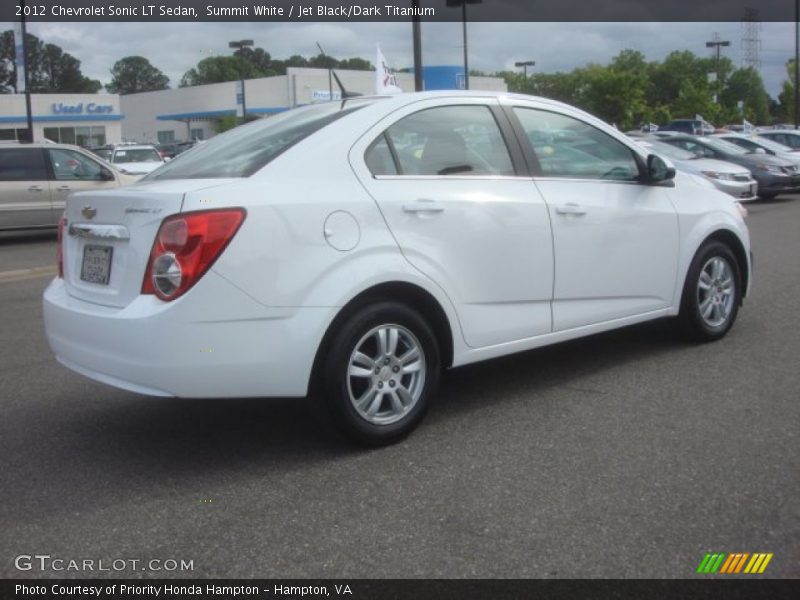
pixel 451 191
pixel 24 189
pixel 616 239
pixel 73 171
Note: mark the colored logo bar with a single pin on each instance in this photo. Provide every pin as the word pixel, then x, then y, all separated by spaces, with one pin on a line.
pixel 734 563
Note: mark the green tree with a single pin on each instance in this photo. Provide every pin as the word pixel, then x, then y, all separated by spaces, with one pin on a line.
pixel 259 58
pixel 746 85
pixel 356 64
pixel 50 69
pixel 786 105
pixel 134 74
pixel 217 69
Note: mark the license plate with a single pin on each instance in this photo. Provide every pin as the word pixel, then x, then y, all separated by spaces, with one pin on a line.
pixel 96 264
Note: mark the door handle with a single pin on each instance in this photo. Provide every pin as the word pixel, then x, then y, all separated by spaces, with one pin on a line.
pixel 570 208
pixel 36 188
pixel 423 205
pixel 63 188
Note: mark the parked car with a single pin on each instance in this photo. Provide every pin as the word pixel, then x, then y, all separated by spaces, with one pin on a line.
pixel 35 180
pixel 173 149
pixel 136 159
pixel 757 144
pixel 690 126
pixel 733 179
pixel 320 250
pixel 773 174
pixel 789 137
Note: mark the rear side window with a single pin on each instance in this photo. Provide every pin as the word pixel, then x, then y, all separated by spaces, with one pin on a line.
pixel 448 140
pixel 22 164
pixel 246 149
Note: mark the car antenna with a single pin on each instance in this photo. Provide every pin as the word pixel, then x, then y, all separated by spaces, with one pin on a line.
pixel 345 94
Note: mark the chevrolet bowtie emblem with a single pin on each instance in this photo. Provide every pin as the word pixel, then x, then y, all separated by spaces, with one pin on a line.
pixel 89 212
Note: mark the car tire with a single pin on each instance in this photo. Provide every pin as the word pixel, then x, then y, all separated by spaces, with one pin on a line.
pixel 380 373
pixel 712 293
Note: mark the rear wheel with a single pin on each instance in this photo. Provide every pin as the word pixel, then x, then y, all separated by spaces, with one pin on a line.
pixel 711 293
pixel 381 373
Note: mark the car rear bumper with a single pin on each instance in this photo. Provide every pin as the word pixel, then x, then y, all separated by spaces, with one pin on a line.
pixel 235 348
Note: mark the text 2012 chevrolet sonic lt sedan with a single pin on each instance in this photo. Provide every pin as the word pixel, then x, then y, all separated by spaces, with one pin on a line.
pixel 358 248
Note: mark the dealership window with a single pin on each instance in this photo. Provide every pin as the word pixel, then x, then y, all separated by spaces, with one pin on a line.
pixel 197 134
pixel 82 136
pixel 12 134
pixel 165 137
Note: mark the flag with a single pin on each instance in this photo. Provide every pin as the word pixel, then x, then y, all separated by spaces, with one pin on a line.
pixel 385 81
pixel 747 126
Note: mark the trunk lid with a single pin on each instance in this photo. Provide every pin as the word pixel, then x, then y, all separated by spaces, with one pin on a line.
pixel 109 235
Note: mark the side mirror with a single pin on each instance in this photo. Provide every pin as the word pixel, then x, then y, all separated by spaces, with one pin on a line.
pixel 759 151
pixel 658 170
pixel 106 175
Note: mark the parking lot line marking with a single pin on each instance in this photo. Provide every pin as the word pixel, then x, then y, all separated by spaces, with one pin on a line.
pixel 22 274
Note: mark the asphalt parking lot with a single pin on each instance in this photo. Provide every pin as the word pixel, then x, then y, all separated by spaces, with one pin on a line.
pixel 629 454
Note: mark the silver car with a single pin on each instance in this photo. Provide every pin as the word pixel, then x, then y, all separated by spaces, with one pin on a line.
pixel 728 177
pixel 760 145
pixel 787 137
pixel 35 180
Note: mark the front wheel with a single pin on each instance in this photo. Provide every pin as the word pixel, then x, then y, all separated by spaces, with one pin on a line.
pixel 711 293
pixel 381 373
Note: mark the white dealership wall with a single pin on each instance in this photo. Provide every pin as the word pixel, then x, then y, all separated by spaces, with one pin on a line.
pixel 185 113
pixel 62 111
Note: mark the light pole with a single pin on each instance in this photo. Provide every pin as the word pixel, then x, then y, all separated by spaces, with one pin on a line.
pixel 717 43
pixel 239 45
pixel 463 5
pixel 525 64
pixel 26 78
pixel 417 44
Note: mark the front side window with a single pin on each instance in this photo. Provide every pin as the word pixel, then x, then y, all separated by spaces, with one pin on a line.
pixel 71 165
pixel 446 140
pixel 22 164
pixel 568 147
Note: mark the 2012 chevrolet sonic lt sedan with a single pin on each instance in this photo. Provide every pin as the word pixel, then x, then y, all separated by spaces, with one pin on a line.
pixel 357 248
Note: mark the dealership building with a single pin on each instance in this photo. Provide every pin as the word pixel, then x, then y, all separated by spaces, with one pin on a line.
pixel 192 112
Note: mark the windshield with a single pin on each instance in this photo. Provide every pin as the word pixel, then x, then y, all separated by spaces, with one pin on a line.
pixel 667 150
pixel 131 155
pixel 772 145
pixel 244 150
pixel 722 146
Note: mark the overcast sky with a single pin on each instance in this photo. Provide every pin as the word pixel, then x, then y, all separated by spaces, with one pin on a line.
pixel 176 47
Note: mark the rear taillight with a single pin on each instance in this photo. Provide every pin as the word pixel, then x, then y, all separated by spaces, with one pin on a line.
pixel 185 248
pixel 62 223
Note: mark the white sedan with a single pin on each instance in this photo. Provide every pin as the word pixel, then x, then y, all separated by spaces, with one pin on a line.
pixel 355 249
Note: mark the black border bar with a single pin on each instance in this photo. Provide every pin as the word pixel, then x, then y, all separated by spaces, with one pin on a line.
pixel 355 11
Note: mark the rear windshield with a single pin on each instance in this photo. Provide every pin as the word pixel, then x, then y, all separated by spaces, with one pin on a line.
pixel 246 149
pixel 133 155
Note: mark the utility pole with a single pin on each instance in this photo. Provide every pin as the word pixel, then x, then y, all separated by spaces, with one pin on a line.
pixel 463 4
pixel 717 44
pixel 239 45
pixel 417 36
pixel 796 61
pixel 26 79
